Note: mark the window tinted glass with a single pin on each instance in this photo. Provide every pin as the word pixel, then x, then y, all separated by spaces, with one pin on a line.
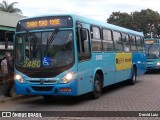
pixel 33 48
pixel 107 34
pixel 107 40
pixel 138 40
pixel 133 43
pixel 126 44
pixel 96 41
pixel 96 45
pixel 117 41
pixel 96 32
pixel 132 39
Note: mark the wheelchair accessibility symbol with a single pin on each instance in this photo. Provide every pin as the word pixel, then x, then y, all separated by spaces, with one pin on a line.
pixel 46 61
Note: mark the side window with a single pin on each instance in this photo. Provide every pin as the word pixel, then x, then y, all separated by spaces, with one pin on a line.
pixel 133 43
pixel 107 40
pixel 85 41
pixel 96 40
pixel 117 41
pixel 83 44
pixel 126 43
pixel 139 43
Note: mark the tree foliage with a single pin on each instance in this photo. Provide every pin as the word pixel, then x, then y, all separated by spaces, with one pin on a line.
pixel 5 7
pixel 120 19
pixel 146 21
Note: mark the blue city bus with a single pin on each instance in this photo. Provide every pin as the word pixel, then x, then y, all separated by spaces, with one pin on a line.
pixel 152 47
pixel 72 55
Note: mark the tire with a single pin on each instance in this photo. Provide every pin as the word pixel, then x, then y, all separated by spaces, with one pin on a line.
pixel 97 88
pixel 133 80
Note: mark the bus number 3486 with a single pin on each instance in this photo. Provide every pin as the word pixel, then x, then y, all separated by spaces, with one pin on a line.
pixel 99 57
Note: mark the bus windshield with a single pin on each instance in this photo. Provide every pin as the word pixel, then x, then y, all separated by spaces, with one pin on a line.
pixel 152 51
pixel 44 49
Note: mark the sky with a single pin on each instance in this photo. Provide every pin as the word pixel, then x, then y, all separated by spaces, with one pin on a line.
pixel 95 9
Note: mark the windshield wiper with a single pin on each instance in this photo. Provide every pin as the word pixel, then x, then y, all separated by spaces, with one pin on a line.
pixel 50 40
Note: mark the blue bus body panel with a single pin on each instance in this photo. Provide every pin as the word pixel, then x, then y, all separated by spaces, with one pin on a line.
pixel 139 59
pixel 108 67
pixel 37 89
pixel 84 77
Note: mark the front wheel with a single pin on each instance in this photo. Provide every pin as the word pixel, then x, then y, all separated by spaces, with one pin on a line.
pixel 97 87
pixel 132 81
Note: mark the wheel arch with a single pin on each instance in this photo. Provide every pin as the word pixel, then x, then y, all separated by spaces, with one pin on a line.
pixel 100 73
pixel 135 67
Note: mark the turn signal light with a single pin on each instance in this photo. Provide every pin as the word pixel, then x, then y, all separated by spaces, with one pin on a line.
pixel 65 90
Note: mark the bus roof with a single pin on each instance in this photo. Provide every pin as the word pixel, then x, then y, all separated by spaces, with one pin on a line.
pixel 94 22
pixel 107 25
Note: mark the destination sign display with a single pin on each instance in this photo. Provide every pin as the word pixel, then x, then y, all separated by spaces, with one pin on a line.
pixel 45 23
pixel 150 41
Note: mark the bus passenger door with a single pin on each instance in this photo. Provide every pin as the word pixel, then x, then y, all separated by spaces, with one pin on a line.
pixel 84 59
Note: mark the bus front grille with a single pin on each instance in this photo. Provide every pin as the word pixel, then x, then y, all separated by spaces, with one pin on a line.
pixel 44 81
pixel 40 88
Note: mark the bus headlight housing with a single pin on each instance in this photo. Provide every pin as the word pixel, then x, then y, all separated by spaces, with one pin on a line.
pixel 68 77
pixel 19 78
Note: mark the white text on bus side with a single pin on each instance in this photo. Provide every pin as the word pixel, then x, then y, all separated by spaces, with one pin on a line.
pixel 99 57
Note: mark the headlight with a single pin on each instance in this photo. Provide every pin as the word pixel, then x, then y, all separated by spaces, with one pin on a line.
pixel 19 78
pixel 158 63
pixel 68 77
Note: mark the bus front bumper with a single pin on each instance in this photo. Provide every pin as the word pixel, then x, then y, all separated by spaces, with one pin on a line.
pixel 153 67
pixel 68 89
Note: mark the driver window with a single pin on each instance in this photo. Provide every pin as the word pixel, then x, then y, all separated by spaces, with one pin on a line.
pixel 83 44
